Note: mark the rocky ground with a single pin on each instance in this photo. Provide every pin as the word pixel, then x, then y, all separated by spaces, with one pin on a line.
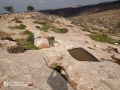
pixel 29 71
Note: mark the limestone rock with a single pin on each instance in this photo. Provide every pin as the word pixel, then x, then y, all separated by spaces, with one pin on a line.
pixel 56 44
pixel 28 71
pixel 116 57
pixel 97 46
pixel 118 50
pixel 39 34
pixel 41 43
pixel 7 43
pixel 103 75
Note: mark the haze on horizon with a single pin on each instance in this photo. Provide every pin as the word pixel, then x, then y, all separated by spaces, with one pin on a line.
pixel 20 5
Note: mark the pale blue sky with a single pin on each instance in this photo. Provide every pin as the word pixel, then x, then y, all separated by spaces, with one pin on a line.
pixel 20 5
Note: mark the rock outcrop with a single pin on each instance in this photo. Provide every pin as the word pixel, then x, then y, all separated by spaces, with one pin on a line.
pixel 88 75
pixel 28 71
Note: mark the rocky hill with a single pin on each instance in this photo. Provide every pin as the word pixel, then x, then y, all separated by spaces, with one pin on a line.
pixel 99 18
pixel 35 55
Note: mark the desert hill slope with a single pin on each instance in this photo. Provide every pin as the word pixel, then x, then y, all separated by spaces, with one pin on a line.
pixel 101 18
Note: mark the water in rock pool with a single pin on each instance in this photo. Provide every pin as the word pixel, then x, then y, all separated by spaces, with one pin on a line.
pixel 82 55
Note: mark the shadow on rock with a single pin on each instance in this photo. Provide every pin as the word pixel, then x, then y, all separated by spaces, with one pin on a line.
pixel 57 82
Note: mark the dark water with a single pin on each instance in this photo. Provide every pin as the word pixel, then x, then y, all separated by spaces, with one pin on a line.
pixel 82 55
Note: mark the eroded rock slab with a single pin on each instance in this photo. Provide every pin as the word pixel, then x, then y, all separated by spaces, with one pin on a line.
pixel 88 75
pixel 28 71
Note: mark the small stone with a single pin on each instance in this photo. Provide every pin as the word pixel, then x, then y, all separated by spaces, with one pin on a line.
pixel 118 50
pixel 116 43
pixel 30 84
pixel 97 46
pixel 56 44
pixel 116 57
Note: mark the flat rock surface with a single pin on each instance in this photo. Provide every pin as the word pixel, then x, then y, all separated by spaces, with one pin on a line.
pixel 28 71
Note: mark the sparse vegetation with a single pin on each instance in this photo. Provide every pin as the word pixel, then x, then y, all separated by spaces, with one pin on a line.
pixel 43 22
pixel 16 49
pixel 27 43
pixel 21 26
pixel 27 32
pixel 102 38
pixel 51 40
pixel 45 28
pixel 17 20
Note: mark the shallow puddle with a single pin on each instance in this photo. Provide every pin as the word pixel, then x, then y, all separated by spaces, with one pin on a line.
pixel 82 55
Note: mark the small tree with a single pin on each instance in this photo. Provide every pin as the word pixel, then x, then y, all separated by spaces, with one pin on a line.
pixel 30 8
pixel 9 9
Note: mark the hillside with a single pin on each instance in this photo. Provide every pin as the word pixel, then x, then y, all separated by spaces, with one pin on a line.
pixel 46 52
pixel 100 18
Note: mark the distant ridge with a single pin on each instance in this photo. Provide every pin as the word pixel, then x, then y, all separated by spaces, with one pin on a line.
pixel 71 11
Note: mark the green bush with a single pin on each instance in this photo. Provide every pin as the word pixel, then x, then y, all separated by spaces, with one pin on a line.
pixel 16 49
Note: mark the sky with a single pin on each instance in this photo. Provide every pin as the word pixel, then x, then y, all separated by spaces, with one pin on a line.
pixel 20 5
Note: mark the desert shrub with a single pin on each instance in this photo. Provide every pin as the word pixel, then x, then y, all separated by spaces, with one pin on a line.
pixel 16 49
pixel 63 30
pixel 38 27
pixel 40 22
pixel 45 28
pixel 27 32
pixel 102 38
pixel 51 40
pixel 27 44
pixel 21 26
pixel 7 38
pixel 17 20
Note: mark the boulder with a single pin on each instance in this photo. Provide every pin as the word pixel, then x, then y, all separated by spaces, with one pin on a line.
pixel 41 42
